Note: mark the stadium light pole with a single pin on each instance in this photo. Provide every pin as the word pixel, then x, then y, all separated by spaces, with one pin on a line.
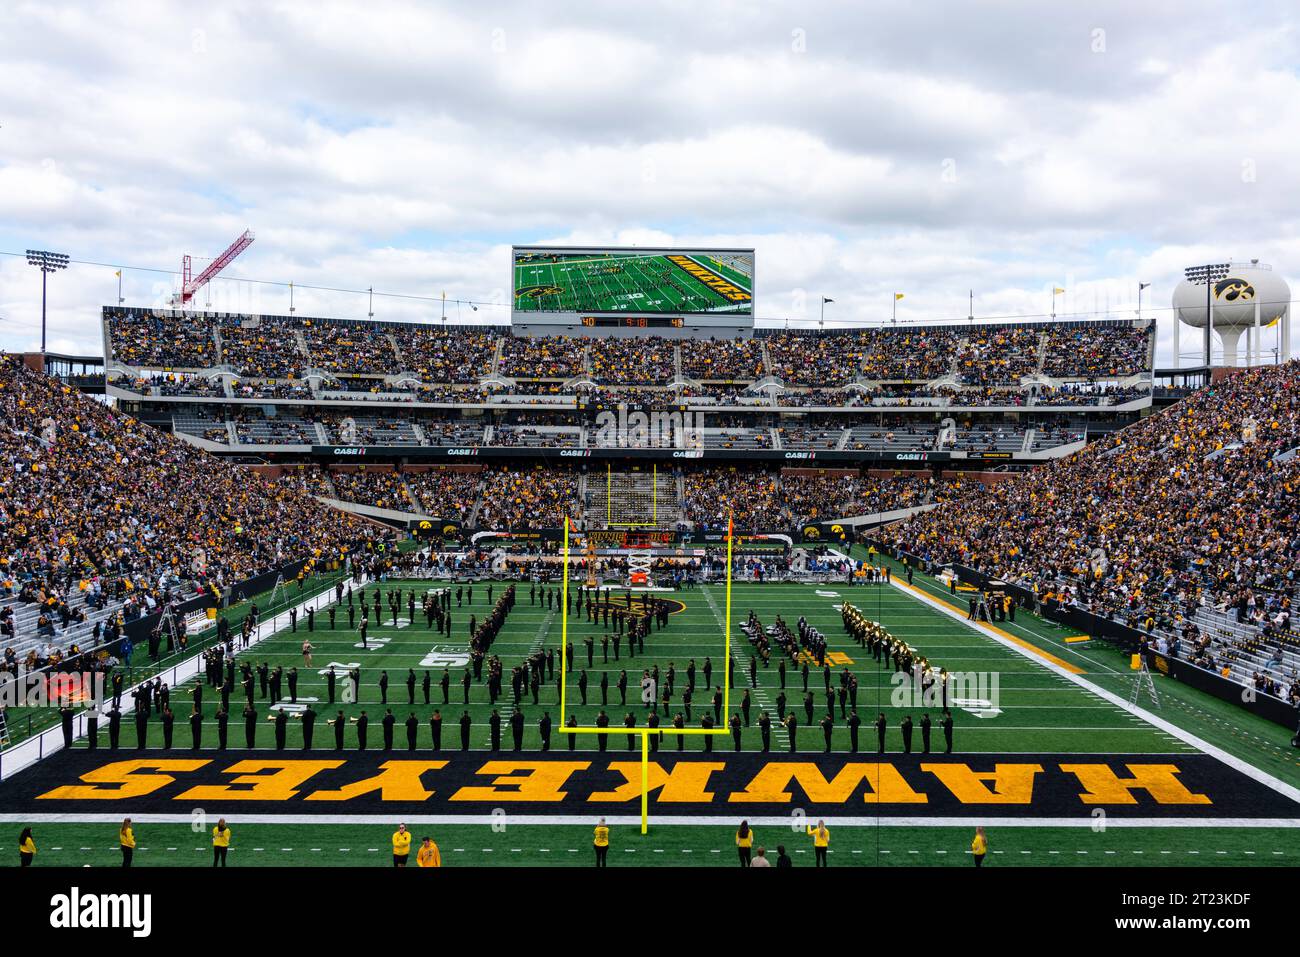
pixel 1208 274
pixel 47 262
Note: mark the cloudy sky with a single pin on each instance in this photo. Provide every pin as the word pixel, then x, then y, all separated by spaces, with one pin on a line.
pixel 862 149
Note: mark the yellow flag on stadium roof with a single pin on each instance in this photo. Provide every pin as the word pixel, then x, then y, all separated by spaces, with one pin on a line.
pixel 1057 290
pixel 897 296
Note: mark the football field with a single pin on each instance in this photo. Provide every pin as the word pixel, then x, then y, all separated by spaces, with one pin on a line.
pixel 1046 754
pixel 672 283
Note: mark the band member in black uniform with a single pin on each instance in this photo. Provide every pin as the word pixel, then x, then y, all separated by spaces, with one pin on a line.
pixel 734 723
pixel 792 726
pixel 602 721
pixel 544 730
pixel 412 731
pixel 465 722
pixel 906 728
pixel 223 728
pixel 330 679
pixel 308 727
pixel 426 685
pixel 828 728
pixel 517 729
pixel 679 722
pixel 880 732
pixel 765 730
pixel 947 732
pixel 293 685
pixel 573 738
pixel 629 722
pixel 383 687
pixel 340 723
pixel 435 729
pixel 196 727
pixel 656 737
pixel 445 683
pixel 363 726
pixel 464 684
pixel 388 721
pixel 281 720
pixel 854 723
pixel 410 686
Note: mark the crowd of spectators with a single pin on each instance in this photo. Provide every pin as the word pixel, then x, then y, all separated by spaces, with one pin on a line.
pixel 445 493
pixel 537 497
pixel 636 360
pixel 265 351
pixel 750 495
pixel 1096 352
pixel 380 488
pixel 1185 508
pixel 817 358
pixel 542 357
pixel 141 337
pixel 89 492
pixel 734 360
pixel 998 354
pixel 348 348
pixel 438 355
pixel 903 353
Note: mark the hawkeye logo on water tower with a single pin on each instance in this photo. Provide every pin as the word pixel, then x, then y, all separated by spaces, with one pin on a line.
pixel 1234 290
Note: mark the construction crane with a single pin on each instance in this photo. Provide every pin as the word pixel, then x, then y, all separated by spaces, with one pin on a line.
pixel 189 286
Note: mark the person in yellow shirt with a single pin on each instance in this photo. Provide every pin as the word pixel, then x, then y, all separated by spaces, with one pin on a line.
pixel 744 841
pixel 401 846
pixel 220 843
pixel 601 842
pixel 979 846
pixel 126 839
pixel 26 848
pixel 428 855
pixel 821 840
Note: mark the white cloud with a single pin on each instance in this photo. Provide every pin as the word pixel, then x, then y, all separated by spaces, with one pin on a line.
pixel 861 150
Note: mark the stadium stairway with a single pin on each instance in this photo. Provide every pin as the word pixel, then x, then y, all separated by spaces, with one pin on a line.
pixel 644 499
pixel 1239 645
pixel 26 615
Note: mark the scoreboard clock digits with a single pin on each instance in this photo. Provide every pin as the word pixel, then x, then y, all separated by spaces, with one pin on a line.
pixel 633 322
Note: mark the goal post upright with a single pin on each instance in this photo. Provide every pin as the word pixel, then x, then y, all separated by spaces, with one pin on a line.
pixel 646 731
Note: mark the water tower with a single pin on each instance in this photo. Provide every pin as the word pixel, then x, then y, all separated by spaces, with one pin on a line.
pixel 1232 298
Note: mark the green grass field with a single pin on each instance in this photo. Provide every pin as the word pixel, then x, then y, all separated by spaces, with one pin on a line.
pixel 1040 713
pixel 627 282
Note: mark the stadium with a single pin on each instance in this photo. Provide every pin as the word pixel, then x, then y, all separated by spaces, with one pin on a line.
pixel 915 581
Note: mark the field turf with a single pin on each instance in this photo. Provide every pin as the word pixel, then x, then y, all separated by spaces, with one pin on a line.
pixel 1041 712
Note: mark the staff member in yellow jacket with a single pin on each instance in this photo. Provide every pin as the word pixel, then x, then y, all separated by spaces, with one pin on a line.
pixel 26 848
pixel 979 846
pixel 401 846
pixel 126 839
pixel 821 840
pixel 744 841
pixel 428 854
pixel 601 842
pixel 220 843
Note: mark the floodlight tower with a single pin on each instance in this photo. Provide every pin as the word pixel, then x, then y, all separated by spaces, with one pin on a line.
pixel 47 262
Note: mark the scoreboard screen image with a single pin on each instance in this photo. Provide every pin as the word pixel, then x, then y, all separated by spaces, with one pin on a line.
pixel 633 282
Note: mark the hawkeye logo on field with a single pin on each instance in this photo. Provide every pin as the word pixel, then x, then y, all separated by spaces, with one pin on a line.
pixel 75 910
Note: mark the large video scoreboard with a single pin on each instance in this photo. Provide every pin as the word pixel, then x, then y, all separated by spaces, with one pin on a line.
pixel 632 291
